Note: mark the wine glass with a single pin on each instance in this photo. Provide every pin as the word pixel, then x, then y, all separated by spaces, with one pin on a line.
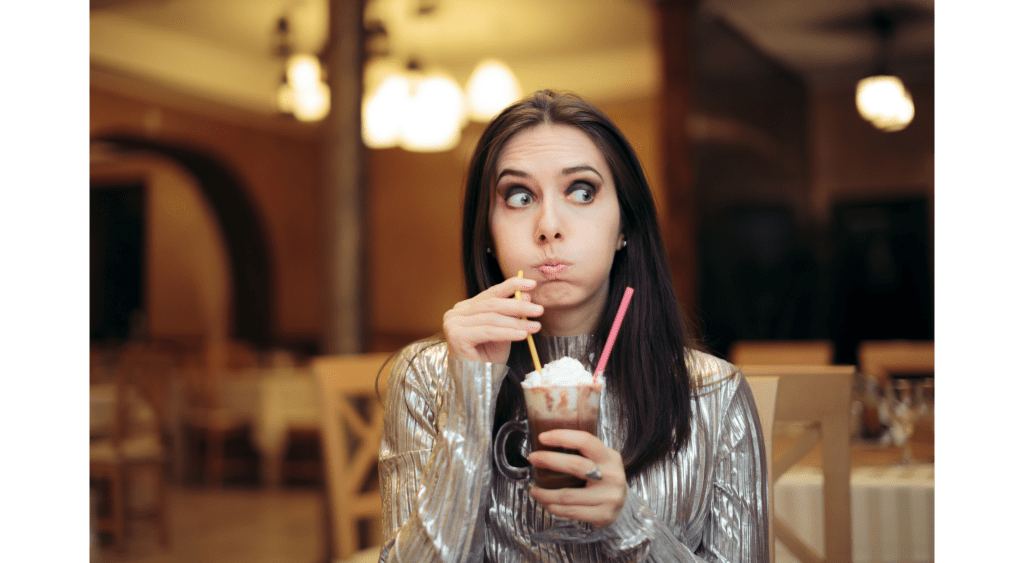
pixel 928 400
pixel 906 407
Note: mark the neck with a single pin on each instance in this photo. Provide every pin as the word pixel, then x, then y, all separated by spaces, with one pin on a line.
pixel 569 322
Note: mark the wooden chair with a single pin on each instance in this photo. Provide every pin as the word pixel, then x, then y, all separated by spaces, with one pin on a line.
pixel 781 352
pixel 886 358
pixel 353 423
pixel 765 390
pixel 129 440
pixel 819 397
pixel 215 398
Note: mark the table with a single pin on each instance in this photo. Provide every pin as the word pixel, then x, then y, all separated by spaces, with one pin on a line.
pixel 288 400
pixel 892 506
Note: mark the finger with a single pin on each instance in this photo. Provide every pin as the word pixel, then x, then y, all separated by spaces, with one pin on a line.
pixel 476 335
pixel 491 319
pixel 599 516
pixel 504 305
pixel 587 444
pixel 508 287
pixel 457 322
pixel 563 463
pixel 512 307
pixel 569 496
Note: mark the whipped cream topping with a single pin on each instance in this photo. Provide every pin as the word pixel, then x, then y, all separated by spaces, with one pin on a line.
pixel 564 372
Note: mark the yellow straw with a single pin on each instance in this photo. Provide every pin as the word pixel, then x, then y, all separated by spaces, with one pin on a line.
pixel 529 337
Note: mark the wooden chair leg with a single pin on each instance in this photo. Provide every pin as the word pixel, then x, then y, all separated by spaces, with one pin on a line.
pixel 214 457
pixel 161 506
pixel 273 462
pixel 117 509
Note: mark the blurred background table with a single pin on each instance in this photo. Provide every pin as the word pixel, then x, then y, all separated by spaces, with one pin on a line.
pixel 892 504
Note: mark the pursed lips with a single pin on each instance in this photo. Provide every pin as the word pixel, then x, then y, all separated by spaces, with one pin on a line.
pixel 552 267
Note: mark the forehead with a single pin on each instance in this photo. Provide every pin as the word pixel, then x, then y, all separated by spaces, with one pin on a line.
pixel 550 144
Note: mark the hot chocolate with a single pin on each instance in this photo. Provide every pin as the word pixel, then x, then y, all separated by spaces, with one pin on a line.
pixel 563 395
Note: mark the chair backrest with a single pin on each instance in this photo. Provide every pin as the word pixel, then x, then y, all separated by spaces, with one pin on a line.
pixel 765 390
pixel 352 426
pixel 886 358
pixel 819 397
pixel 134 402
pixel 781 352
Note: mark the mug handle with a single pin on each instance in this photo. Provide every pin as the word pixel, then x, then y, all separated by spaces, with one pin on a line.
pixel 498 451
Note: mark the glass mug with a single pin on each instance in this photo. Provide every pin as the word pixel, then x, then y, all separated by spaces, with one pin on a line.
pixel 574 407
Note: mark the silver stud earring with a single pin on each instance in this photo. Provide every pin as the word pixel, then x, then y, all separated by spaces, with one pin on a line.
pixel 488 250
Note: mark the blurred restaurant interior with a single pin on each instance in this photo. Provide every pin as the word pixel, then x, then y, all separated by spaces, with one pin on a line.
pixel 235 237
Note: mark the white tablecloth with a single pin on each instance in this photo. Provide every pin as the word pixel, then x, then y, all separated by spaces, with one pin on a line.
pixel 892 511
pixel 287 399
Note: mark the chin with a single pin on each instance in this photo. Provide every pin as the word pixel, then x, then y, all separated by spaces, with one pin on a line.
pixel 558 295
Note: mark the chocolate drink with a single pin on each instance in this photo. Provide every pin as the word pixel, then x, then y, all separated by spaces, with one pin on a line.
pixel 573 407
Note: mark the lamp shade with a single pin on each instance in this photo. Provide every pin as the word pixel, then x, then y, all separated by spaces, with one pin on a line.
pixel 435 115
pixel 303 70
pixel 885 102
pixel 311 102
pixel 491 88
pixel 384 111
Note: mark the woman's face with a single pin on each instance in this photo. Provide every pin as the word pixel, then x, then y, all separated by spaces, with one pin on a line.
pixel 555 216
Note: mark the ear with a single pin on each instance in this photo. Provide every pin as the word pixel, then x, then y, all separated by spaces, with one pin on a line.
pixel 621 243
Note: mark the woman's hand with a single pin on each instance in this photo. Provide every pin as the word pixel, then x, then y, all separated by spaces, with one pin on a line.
pixel 599 502
pixel 483 327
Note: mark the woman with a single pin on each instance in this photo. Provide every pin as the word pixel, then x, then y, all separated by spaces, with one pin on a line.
pixel 677 472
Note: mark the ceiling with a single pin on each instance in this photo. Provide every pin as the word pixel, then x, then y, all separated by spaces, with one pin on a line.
pixel 225 50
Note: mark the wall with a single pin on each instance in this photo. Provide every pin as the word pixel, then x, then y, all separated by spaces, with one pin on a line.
pixel 872 195
pixel 750 159
pixel 279 164
pixel 187 281
pixel 851 160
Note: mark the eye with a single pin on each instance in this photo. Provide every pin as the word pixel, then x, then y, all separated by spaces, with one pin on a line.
pixel 581 192
pixel 518 197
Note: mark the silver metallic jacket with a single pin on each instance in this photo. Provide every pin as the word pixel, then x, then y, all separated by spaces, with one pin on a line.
pixel 444 501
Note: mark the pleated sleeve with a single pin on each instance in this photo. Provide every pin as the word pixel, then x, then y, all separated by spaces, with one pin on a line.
pixel 435 468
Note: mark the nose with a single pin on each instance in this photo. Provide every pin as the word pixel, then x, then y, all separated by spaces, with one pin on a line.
pixel 549 224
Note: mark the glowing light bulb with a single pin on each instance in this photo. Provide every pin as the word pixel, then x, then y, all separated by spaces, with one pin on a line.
pixel 885 102
pixel 491 88
pixel 311 102
pixel 436 111
pixel 303 70
pixel 384 111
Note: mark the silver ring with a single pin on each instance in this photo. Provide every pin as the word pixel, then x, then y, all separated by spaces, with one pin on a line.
pixel 594 474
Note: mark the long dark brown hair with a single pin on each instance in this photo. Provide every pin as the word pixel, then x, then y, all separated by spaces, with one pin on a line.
pixel 647 367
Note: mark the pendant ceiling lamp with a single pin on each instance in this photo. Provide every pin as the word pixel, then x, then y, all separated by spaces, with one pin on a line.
pixel 303 92
pixel 422 111
pixel 882 98
pixel 425 109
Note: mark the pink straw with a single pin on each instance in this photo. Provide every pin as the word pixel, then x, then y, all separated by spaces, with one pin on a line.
pixel 615 332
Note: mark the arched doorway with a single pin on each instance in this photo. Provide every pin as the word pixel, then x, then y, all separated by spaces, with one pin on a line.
pixel 240 227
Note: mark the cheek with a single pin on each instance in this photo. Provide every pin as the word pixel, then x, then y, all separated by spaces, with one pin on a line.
pixel 504 250
pixel 508 233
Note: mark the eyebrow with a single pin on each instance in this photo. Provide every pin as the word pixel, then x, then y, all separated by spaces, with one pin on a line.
pixel 565 171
